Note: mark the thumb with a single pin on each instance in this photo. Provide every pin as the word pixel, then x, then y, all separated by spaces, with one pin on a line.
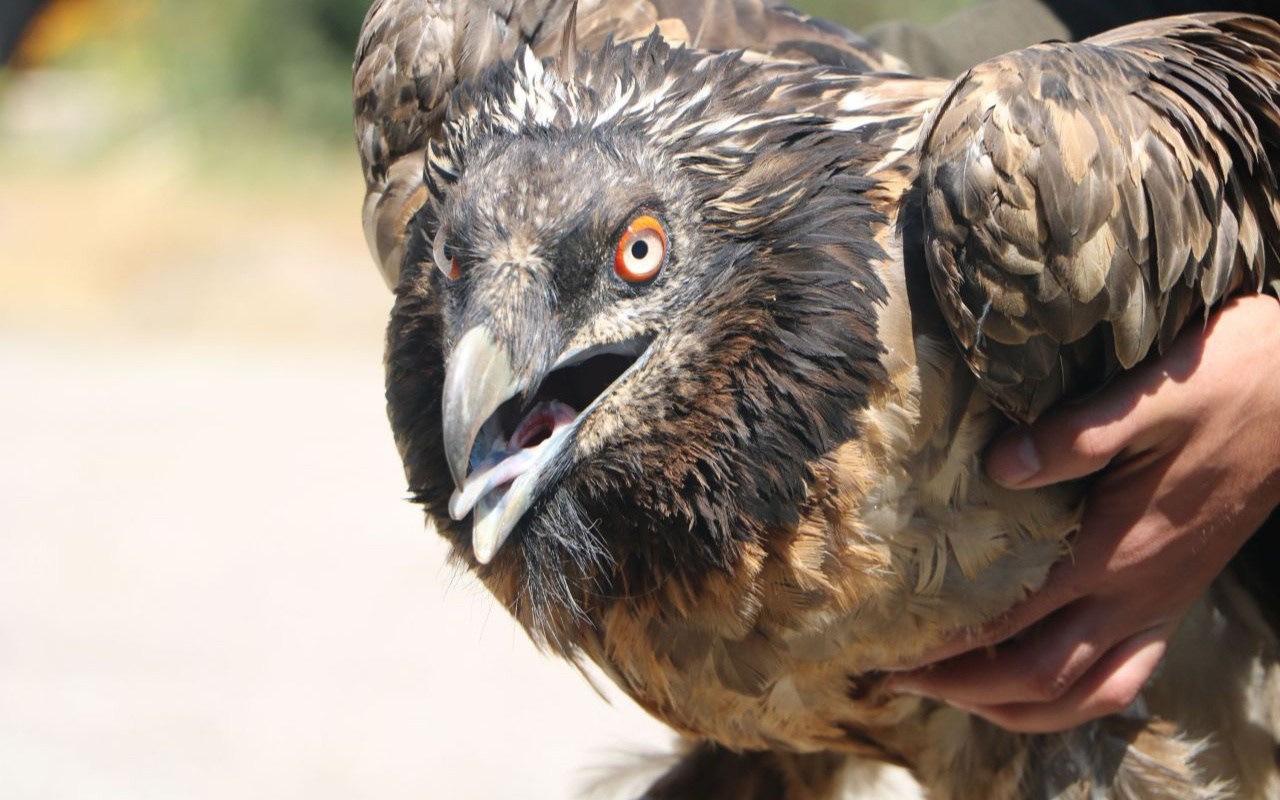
pixel 1072 441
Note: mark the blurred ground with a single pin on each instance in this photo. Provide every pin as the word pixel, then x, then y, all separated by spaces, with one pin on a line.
pixel 210 591
pixel 210 584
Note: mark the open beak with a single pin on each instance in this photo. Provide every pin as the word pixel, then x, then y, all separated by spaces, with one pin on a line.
pixel 488 473
pixel 500 449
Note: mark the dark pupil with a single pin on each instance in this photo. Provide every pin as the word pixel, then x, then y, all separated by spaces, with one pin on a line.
pixel 639 250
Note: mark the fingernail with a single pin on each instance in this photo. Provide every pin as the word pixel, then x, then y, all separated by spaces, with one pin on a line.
pixel 1014 465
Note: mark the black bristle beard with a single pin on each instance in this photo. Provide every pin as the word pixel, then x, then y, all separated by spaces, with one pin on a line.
pixel 565 559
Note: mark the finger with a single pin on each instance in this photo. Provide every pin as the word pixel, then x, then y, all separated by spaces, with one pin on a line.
pixel 1040 667
pixel 1077 440
pixel 1109 688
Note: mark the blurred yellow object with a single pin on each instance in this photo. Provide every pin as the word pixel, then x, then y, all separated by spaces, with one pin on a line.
pixel 65 24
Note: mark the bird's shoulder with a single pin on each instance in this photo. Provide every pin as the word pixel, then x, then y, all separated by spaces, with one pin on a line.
pixel 1083 200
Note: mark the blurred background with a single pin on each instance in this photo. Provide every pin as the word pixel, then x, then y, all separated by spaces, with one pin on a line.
pixel 210 583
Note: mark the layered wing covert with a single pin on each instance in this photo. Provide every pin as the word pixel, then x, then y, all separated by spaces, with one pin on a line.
pixel 1082 201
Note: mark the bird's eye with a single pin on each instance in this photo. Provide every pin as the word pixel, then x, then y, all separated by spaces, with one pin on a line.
pixel 642 250
pixel 446 261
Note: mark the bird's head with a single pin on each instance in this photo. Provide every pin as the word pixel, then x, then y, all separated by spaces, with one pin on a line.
pixel 637 307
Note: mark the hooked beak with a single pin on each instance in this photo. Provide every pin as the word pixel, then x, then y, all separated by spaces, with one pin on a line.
pixel 501 453
pixel 479 378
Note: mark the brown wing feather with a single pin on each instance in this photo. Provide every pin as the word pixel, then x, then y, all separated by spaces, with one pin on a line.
pixel 412 53
pixel 1083 200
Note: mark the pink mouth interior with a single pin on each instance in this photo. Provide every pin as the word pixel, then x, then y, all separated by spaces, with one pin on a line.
pixel 539 424
pixel 508 460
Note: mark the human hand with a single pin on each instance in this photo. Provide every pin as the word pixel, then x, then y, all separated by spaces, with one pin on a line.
pixel 1191 450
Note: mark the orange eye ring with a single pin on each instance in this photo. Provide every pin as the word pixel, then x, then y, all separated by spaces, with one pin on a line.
pixel 642 250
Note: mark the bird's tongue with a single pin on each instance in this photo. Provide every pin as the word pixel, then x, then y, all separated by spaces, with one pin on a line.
pixel 508 459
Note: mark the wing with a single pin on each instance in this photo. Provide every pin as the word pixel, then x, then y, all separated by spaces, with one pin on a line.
pixel 412 53
pixel 1082 201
